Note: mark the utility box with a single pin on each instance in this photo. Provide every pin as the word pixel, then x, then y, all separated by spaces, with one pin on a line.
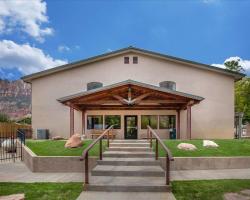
pixel 172 134
pixel 42 134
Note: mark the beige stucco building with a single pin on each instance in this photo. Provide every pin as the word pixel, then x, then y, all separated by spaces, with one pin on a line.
pixel 194 100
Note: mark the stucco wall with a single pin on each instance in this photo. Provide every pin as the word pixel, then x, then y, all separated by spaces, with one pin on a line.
pixel 212 118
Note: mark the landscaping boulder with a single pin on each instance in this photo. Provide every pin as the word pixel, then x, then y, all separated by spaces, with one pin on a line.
pixel 186 147
pixel 209 143
pixel 57 138
pixel 13 197
pixel 9 145
pixel 74 141
pixel 245 192
pixel 235 196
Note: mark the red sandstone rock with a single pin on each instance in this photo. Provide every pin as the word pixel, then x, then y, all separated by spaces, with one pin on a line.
pixel 74 141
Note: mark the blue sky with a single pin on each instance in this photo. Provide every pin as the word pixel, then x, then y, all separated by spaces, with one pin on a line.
pixel 36 35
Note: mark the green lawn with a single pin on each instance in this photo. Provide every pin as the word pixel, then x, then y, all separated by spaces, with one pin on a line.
pixel 226 148
pixel 56 148
pixel 43 191
pixel 207 190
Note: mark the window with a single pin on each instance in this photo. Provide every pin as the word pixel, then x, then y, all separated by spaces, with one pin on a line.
pixel 150 120
pixel 168 84
pixel 135 60
pixel 113 120
pixel 94 85
pixel 126 60
pixel 95 122
pixel 166 121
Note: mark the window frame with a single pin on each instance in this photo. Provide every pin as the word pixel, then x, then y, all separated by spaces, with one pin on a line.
pixel 135 60
pixel 92 124
pixel 126 59
pixel 169 119
pixel 157 122
pixel 115 127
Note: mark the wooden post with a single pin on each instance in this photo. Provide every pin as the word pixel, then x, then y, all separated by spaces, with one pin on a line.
pixel 83 122
pixel 71 121
pixel 189 134
pixel 178 125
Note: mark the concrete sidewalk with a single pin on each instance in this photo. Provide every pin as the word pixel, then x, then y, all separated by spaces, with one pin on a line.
pixel 18 172
pixel 88 195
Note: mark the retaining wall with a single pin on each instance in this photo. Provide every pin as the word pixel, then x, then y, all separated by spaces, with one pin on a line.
pixel 73 164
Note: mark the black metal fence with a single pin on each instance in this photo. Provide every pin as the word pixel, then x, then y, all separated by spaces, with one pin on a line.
pixel 11 146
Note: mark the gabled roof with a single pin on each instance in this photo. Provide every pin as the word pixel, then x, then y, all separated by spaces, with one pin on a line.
pixel 131 49
pixel 130 82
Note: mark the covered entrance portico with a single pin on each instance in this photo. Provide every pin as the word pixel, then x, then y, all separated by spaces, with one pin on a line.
pixel 131 106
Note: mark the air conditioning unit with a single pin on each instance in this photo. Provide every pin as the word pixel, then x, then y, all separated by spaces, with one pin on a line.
pixel 42 134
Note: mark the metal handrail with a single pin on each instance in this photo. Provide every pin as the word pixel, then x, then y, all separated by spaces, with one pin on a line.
pixel 169 156
pixel 85 154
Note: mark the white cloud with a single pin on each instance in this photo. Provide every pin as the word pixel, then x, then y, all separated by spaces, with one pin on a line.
pixel 209 1
pixel 244 63
pixel 25 15
pixel 63 48
pixel 25 58
pixel 109 50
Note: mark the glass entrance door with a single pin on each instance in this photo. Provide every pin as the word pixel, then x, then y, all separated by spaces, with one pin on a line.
pixel 130 127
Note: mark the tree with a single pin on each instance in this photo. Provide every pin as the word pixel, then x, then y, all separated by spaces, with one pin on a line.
pixel 234 65
pixel 242 88
pixel 4 117
pixel 242 98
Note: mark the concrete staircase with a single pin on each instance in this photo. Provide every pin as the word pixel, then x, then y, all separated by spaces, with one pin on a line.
pixel 128 166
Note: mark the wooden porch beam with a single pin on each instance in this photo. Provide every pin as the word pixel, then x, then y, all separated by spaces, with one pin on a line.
pixel 76 107
pixel 189 134
pixel 71 118
pixel 129 108
pixel 83 122
pixel 178 124
pixel 121 99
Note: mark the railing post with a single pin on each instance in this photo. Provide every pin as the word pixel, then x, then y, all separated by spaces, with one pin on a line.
pixel 108 139
pixel 100 145
pixel 148 134
pixel 87 168
pixel 151 143
pixel 167 170
pixel 156 149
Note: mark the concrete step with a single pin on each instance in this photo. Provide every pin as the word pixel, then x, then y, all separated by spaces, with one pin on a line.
pixel 99 195
pixel 129 141
pixel 128 154
pixel 129 162
pixel 121 144
pixel 133 149
pixel 110 170
pixel 127 184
